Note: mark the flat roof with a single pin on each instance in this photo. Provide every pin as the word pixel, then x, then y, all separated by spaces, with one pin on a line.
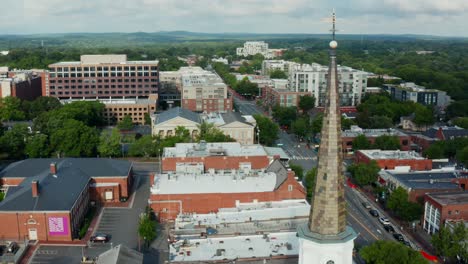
pixel 232 248
pixel 247 212
pixel 452 198
pixel 378 154
pixel 356 131
pixel 209 149
pixel 179 183
pixel 425 179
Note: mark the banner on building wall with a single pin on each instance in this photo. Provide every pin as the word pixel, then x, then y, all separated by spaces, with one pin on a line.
pixel 58 226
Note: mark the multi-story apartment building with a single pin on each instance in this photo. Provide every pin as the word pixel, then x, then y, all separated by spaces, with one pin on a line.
pixel 271 65
pixel 412 92
pixel 102 76
pixel 258 47
pixel 313 78
pixel 203 91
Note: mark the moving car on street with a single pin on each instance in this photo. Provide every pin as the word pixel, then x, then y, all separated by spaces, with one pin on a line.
pixel 103 238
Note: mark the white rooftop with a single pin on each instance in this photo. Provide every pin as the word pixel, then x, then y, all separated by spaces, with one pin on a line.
pixel 238 247
pixel 377 154
pixel 247 212
pixel 227 182
pixel 356 131
pixel 208 149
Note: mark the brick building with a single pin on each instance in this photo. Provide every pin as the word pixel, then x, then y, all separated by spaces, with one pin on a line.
pixel 389 159
pixel 418 183
pixel 102 77
pixel 47 199
pixel 282 97
pixel 25 85
pixel 196 192
pixel 216 156
pixel 446 133
pixel 371 134
pixel 203 91
pixel 442 207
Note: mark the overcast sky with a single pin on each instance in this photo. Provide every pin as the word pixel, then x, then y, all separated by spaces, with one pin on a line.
pixel 432 17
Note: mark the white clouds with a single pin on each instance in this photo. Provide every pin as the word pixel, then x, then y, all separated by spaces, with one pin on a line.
pixel 280 16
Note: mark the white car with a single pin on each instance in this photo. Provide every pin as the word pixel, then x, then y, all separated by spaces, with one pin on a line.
pixel 384 221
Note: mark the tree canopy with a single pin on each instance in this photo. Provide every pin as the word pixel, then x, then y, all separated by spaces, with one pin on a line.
pixel 306 103
pixel 268 130
pixel 386 252
pixel 364 173
pixel 399 204
pixel 126 123
pixel 278 74
pixel 451 243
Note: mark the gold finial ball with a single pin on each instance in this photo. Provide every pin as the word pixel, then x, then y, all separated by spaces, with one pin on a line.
pixel 333 44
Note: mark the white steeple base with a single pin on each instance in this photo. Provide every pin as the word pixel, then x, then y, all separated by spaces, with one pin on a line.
pixel 314 249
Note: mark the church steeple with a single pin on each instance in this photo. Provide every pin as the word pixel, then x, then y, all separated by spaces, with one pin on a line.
pixel 328 209
pixel 326 238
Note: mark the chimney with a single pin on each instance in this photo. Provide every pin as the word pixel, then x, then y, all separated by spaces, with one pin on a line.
pixel 276 157
pixel 35 188
pixel 53 168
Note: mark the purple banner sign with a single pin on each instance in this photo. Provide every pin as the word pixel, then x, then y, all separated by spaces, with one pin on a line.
pixel 58 226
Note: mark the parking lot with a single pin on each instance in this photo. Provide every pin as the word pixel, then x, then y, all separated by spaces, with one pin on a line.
pixel 66 254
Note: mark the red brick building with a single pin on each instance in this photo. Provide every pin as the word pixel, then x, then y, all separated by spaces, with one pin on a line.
pixel 47 199
pixel 102 77
pixel 282 97
pixel 175 193
pixel 24 85
pixel 371 134
pixel 441 207
pixel 389 159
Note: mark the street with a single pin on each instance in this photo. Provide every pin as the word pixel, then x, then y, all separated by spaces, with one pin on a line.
pixel 368 228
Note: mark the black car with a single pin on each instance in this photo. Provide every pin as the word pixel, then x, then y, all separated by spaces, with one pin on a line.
pixel 398 237
pixel 103 238
pixel 374 213
pixel 389 228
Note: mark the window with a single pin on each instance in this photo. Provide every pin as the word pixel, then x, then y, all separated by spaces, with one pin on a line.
pixel 290 188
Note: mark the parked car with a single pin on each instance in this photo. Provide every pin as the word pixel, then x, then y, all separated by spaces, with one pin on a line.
pixel 374 213
pixel 366 205
pixel 389 228
pixel 399 237
pixel 211 231
pixel 100 238
pixel 384 221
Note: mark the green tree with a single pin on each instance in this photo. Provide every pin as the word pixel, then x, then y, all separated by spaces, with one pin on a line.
pixel 435 150
pixel 268 130
pixel 301 127
pixel 210 133
pixel 424 116
pixel 386 142
pixel 462 156
pixel 147 119
pixel 74 139
pixel 298 170
pixel 364 174
pixel 361 142
pixel 380 122
pixel 37 146
pixel 10 109
pixel 316 124
pixel 109 143
pixel 306 103
pixel 88 112
pixel 146 229
pixel 451 243
pixel 278 74
pixel 386 252
pixel 309 182
pixel 284 115
pixel 399 204
pixel 461 122
pixel 126 123
pixel 43 104
pixel 145 146
pixel 13 141
pixel 346 123
pixel 247 88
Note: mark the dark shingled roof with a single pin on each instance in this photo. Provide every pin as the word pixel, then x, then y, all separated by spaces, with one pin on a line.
pixel 56 192
pixel 177 112
pixel 448 132
pixel 230 117
pixel 280 171
pixel 120 255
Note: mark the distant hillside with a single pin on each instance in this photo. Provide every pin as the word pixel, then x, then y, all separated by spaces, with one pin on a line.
pixel 110 40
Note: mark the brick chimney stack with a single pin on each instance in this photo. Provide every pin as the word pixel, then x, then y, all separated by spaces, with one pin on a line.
pixel 53 168
pixel 35 188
